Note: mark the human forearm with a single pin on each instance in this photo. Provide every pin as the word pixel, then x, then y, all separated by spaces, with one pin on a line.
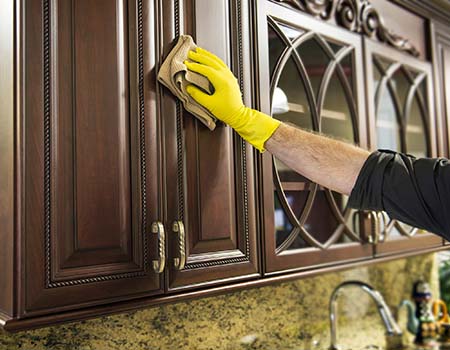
pixel 328 162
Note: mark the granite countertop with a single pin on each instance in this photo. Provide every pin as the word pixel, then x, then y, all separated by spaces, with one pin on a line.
pixel 289 316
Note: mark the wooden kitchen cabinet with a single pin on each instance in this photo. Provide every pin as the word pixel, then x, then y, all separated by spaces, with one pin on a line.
pixel 305 225
pixel 100 160
pixel 311 75
pixel 88 160
pixel 210 175
pixel 112 197
pixel 402 118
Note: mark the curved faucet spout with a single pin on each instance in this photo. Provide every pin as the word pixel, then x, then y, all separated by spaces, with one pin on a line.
pixel 392 328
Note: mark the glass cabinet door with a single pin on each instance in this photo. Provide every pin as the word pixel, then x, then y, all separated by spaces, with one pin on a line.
pixel 401 119
pixel 310 79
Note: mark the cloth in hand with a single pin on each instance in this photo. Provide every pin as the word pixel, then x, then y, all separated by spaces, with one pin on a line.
pixel 176 77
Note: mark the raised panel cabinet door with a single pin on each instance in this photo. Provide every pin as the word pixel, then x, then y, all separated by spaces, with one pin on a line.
pixel 401 118
pixel 210 187
pixel 310 75
pixel 90 154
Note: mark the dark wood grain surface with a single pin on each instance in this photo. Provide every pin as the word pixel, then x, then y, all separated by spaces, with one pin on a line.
pixel 7 154
pixel 88 203
pixel 93 151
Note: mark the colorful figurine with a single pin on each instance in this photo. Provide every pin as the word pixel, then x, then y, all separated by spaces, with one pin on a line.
pixel 440 313
pixel 421 321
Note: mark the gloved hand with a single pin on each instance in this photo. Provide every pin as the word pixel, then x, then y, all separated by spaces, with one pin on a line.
pixel 226 101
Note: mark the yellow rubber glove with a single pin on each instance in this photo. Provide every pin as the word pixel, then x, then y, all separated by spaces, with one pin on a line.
pixel 226 102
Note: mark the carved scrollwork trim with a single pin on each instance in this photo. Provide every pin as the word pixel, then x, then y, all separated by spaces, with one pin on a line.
pixel 356 15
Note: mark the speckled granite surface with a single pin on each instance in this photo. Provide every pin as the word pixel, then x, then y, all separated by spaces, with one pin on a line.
pixel 289 316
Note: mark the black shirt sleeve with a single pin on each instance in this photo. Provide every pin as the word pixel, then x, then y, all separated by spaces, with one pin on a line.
pixel 415 191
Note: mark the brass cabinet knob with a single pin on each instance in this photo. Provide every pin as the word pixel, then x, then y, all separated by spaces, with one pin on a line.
pixel 158 265
pixel 178 229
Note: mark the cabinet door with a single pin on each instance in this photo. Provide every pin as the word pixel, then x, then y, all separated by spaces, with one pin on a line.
pixel 90 154
pixel 441 68
pixel 210 188
pixel 310 75
pixel 401 114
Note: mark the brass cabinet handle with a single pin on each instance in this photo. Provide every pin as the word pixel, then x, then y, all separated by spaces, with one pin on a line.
pixel 178 229
pixel 375 234
pixel 158 265
pixel 382 216
pixel 367 225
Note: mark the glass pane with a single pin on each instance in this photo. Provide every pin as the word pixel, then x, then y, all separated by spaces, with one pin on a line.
pixel 347 67
pixel 422 92
pixel 416 142
pixel 315 60
pixel 283 226
pixel 297 197
pixel 401 87
pixel 290 104
pixel 299 243
pixel 321 222
pixel 335 46
pixel 383 62
pixel 276 47
pixel 290 32
pixel 336 117
pixel 341 202
pixel 388 131
pixel 289 101
pixel 413 73
pixel 376 78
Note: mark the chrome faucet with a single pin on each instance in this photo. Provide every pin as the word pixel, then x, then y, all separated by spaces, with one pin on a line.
pixel 392 328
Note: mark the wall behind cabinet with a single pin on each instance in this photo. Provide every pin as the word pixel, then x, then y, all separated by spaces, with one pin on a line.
pixel 286 316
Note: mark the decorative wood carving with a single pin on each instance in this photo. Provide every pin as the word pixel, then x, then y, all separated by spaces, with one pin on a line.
pixel 356 15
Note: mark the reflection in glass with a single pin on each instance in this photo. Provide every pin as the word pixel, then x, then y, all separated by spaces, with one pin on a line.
pixel 401 85
pixel 290 104
pixel 276 47
pixel 283 227
pixel 315 60
pixel 290 32
pixel 335 46
pixel 280 103
pixel 347 67
pixel 376 78
pixel 416 143
pixel 383 62
pixel 388 130
pixel 336 117
pixel 321 222
pixel 290 83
